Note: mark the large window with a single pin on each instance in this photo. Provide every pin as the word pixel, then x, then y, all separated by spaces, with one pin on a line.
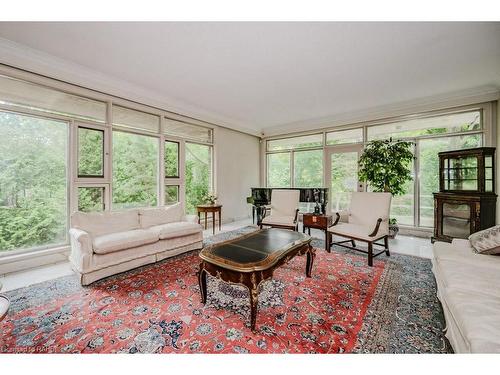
pixel 33 181
pixel 298 161
pixel 431 135
pixel 135 170
pixel 65 148
pixel 198 174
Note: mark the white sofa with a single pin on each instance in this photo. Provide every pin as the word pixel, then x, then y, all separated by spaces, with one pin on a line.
pixel 468 288
pixel 107 243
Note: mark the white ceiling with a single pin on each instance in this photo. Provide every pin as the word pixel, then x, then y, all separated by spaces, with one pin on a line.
pixel 265 76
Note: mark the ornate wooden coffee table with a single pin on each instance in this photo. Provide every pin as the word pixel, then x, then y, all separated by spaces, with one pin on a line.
pixel 251 259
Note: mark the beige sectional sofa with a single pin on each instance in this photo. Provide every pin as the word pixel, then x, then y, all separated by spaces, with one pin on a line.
pixel 468 288
pixel 107 243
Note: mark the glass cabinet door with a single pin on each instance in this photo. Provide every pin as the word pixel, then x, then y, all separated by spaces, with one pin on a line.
pixel 456 219
pixel 463 173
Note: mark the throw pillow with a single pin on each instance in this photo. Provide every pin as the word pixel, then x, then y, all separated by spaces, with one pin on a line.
pixel 486 241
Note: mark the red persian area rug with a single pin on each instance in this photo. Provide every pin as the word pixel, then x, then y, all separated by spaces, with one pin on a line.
pixel 345 307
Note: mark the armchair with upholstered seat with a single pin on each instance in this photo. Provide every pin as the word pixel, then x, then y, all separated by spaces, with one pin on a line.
pixel 284 210
pixel 366 220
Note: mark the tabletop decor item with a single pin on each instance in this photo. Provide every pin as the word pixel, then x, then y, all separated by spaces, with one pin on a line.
pixel 386 166
pixel 210 198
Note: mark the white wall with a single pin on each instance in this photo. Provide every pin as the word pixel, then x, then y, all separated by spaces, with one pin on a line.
pixel 237 170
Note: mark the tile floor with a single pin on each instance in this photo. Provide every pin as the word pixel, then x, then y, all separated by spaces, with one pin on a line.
pixel 407 245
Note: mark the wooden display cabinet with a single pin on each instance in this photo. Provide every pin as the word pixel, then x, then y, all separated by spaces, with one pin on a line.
pixel 466 202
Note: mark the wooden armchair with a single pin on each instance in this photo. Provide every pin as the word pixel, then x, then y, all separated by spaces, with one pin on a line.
pixel 284 210
pixel 367 220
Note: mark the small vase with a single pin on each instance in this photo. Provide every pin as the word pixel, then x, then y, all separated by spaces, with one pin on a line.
pixel 393 230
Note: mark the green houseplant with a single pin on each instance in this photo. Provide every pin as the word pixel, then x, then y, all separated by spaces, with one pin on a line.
pixel 386 166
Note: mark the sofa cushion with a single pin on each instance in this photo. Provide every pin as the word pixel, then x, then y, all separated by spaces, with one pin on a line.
pixel 461 251
pixel 101 223
pixel 476 315
pixel 112 242
pixel 178 229
pixel 486 241
pixel 279 220
pixel 357 231
pixel 161 215
pixel 468 276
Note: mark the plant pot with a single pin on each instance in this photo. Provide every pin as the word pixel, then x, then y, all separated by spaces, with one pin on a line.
pixel 393 230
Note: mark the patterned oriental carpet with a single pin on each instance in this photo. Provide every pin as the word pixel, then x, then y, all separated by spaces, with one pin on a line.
pixel 346 307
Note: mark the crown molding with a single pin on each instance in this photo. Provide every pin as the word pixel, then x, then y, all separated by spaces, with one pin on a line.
pixel 36 61
pixel 443 101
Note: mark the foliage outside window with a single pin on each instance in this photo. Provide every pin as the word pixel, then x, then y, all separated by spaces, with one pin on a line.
pixel 90 199
pixel 90 152
pixel 198 174
pixel 278 170
pixel 171 194
pixel 344 179
pixel 171 159
pixel 308 168
pixel 33 187
pixel 135 170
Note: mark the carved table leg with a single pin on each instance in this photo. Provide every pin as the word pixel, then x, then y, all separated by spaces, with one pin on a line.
pixel 252 281
pixel 202 281
pixel 310 260
pixel 254 303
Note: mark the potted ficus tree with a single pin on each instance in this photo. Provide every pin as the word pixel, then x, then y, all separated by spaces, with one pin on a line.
pixel 386 166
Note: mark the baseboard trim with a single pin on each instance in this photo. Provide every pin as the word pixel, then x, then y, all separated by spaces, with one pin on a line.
pixel 25 261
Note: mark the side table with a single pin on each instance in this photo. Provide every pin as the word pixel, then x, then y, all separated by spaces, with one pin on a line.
pixel 213 208
pixel 322 222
